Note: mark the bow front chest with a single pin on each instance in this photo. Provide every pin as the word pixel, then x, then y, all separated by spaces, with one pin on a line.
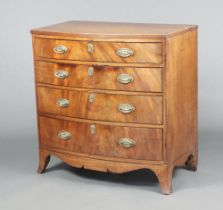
pixel 117 97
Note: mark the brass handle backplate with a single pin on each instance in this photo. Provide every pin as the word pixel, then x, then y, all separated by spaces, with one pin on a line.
pixel 126 108
pixel 124 78
pixel 61 74
pixel 63 102
pixel 64 135
pixel 126 142
pixel 60 49
pixel 124 52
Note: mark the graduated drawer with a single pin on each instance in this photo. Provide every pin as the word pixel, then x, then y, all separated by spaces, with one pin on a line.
pixel 100 77
pixel 100 106
pixel 120 52
pixel 97 139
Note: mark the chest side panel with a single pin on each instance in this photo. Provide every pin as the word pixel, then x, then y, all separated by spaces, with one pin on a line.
pixel 181 94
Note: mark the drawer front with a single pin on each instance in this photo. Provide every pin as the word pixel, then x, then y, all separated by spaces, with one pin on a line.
pixel 99 51
pixel 105 140
pixel 100 106
pixel 100 77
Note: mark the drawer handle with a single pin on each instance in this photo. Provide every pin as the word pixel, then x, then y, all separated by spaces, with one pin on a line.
pixel 124 52
pixel 126 142
pixel 60 49
pixel 64 135
pixel 126 108
pixel 61 74
pixel 124 78
pixel 63 102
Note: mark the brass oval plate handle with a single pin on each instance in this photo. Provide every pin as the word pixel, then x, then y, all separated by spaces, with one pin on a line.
pixel 90 47
pixel 64 135
pixel 125 78
pixel 124 52
pixel 60 49
pixel 62 102
pixel 126 142
pixel 126 108
pixel 61 74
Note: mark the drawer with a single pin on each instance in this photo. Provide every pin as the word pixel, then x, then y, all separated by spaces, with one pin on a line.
pixel 100 77
pixel 100 106
pixel 120 52
pixel 105 140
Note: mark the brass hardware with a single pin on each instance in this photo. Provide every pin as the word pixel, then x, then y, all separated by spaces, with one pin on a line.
pixel 90 47
pixel 124 52
pixel 92 129
pixel 91 97
pixel 90 71
pixel 124 78
pixel 126 142
pixel 60 49
pixel 64 135
pixel 63 102
pixel 61 74
pixel 126 108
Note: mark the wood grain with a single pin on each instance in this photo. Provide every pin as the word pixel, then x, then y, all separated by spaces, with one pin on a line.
pixel 112 30
pixel 105 140
pixel 135 125
pixel 113 92
pixel 94 63
pixel 103 51
pixel 104 77
pixel 148 109
pixel 102 157
pixel 181 95
pixel 162 171
pixel 44 159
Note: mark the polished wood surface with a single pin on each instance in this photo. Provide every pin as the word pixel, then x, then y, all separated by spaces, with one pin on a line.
pixel 119 92
pixel 105 140
pixel 134 125
pixel 181 96
pixel 102 52
pixel 163 92
pixel 104 77
pixel 148 109
pixel 113 30
pixel 162 171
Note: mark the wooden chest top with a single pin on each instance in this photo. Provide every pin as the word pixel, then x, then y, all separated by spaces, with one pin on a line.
pixel 87 29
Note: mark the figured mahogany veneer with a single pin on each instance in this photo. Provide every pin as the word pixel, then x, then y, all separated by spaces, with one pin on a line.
pixel 105 140
pixel 148 109
pixel 102 51
pixel 103 77
pixel 117 97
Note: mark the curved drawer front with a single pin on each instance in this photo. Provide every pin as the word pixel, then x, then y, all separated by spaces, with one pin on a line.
pixel 100 106
pixel 99 51
pixel 100 77
pixel 106 140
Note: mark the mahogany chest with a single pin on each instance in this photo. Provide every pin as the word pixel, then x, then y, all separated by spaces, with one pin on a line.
pixel 117 97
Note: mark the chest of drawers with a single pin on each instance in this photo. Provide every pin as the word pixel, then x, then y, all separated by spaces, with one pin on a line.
pixel 117 97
